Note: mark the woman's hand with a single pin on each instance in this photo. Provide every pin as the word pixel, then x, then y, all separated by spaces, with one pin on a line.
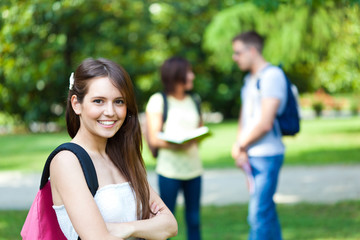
pixel 154 209
pixel 242 159
pixel 182 146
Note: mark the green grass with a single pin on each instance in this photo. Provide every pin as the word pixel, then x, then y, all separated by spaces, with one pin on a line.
pixel 28 151
pixel 11 223
pixel 300 221
pixel 325 141
pixel 321 141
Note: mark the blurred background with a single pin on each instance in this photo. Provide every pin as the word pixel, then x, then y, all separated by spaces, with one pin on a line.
pixel 317 42
pixel 43 41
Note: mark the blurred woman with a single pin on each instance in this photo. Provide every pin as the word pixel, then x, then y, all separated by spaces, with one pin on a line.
pixel 178 165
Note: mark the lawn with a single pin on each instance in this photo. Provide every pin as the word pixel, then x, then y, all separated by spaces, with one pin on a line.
pixel 300 221
pixel 321 141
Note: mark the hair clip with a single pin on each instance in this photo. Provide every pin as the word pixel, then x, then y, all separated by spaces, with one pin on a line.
pixel 71 81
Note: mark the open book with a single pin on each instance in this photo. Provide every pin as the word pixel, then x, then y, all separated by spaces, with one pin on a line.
pixel 182 138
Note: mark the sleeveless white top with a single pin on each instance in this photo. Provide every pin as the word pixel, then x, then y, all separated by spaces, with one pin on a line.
pixel 116 203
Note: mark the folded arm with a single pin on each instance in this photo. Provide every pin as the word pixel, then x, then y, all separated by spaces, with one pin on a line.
pixel 162 225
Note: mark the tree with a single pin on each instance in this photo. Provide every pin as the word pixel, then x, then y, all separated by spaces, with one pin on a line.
pixel 302 36
pixel 341 70
pixel 42 47
pixel 42 42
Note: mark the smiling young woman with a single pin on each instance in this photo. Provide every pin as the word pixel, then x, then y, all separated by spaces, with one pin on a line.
pixel 102 118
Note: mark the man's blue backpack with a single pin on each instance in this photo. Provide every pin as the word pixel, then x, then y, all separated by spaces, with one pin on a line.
pixel 289 119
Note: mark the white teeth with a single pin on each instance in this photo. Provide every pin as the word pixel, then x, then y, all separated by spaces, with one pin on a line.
pixel 108 123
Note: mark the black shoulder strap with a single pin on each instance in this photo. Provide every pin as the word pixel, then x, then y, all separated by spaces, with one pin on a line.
pixel 262 71
pixel 196 99
pixel 85 162
pixel 165 107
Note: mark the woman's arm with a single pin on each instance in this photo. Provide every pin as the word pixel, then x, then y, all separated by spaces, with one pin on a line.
pixel 162 225
pixel 69 188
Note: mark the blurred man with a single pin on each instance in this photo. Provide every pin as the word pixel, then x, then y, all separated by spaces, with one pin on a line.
pixel 259 144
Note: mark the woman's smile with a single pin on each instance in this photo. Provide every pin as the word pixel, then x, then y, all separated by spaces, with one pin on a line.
pixel 107 123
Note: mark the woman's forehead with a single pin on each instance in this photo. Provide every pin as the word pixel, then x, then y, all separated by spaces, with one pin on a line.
pixel 103 86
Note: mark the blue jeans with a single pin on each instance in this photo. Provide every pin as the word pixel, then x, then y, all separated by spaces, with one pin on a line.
pixel 169 189
pixel 263 219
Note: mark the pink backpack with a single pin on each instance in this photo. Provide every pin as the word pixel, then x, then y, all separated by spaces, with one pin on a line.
pixel 41 222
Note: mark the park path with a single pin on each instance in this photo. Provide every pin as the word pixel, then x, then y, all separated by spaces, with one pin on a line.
pixel 315 184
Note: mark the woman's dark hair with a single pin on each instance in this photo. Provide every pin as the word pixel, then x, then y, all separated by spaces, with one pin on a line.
pixel 124 148
pixel 174 71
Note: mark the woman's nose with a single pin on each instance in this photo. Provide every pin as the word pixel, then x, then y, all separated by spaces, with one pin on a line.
pixel 109 109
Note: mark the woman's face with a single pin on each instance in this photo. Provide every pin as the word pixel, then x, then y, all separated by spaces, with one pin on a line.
pixel 190 76
pixel 103 110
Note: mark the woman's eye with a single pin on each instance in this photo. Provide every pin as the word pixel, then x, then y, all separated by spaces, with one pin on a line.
pixel 119 101
pixel 98 101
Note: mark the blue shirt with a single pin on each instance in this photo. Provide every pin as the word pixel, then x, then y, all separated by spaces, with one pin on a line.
pixel 272 85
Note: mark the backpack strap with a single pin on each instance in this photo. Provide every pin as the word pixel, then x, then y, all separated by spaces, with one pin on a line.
pixel 258 88
pixel 165 106
pixel 194 97
pixel 85 162
pixel 259 78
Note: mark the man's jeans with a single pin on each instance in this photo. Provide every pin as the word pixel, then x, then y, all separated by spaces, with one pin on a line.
pixel 263 220
pixel 169 189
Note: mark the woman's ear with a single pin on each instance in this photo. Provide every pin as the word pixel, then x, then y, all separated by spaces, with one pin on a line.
pixel 75 104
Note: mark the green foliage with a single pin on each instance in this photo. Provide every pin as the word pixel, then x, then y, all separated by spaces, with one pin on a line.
pixel 316 43
pixel 341 71
pixel 42 47
pixel 45 44
pixel 42 42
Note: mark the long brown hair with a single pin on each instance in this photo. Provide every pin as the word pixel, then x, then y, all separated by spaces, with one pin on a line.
pixel 124 148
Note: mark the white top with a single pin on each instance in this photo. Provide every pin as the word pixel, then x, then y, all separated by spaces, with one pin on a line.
pixel 182 118
pixel 116 203
pixel 272 85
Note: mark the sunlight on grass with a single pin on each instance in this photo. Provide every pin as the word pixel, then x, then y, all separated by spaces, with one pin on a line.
pixel 28 151
pixel 321 141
